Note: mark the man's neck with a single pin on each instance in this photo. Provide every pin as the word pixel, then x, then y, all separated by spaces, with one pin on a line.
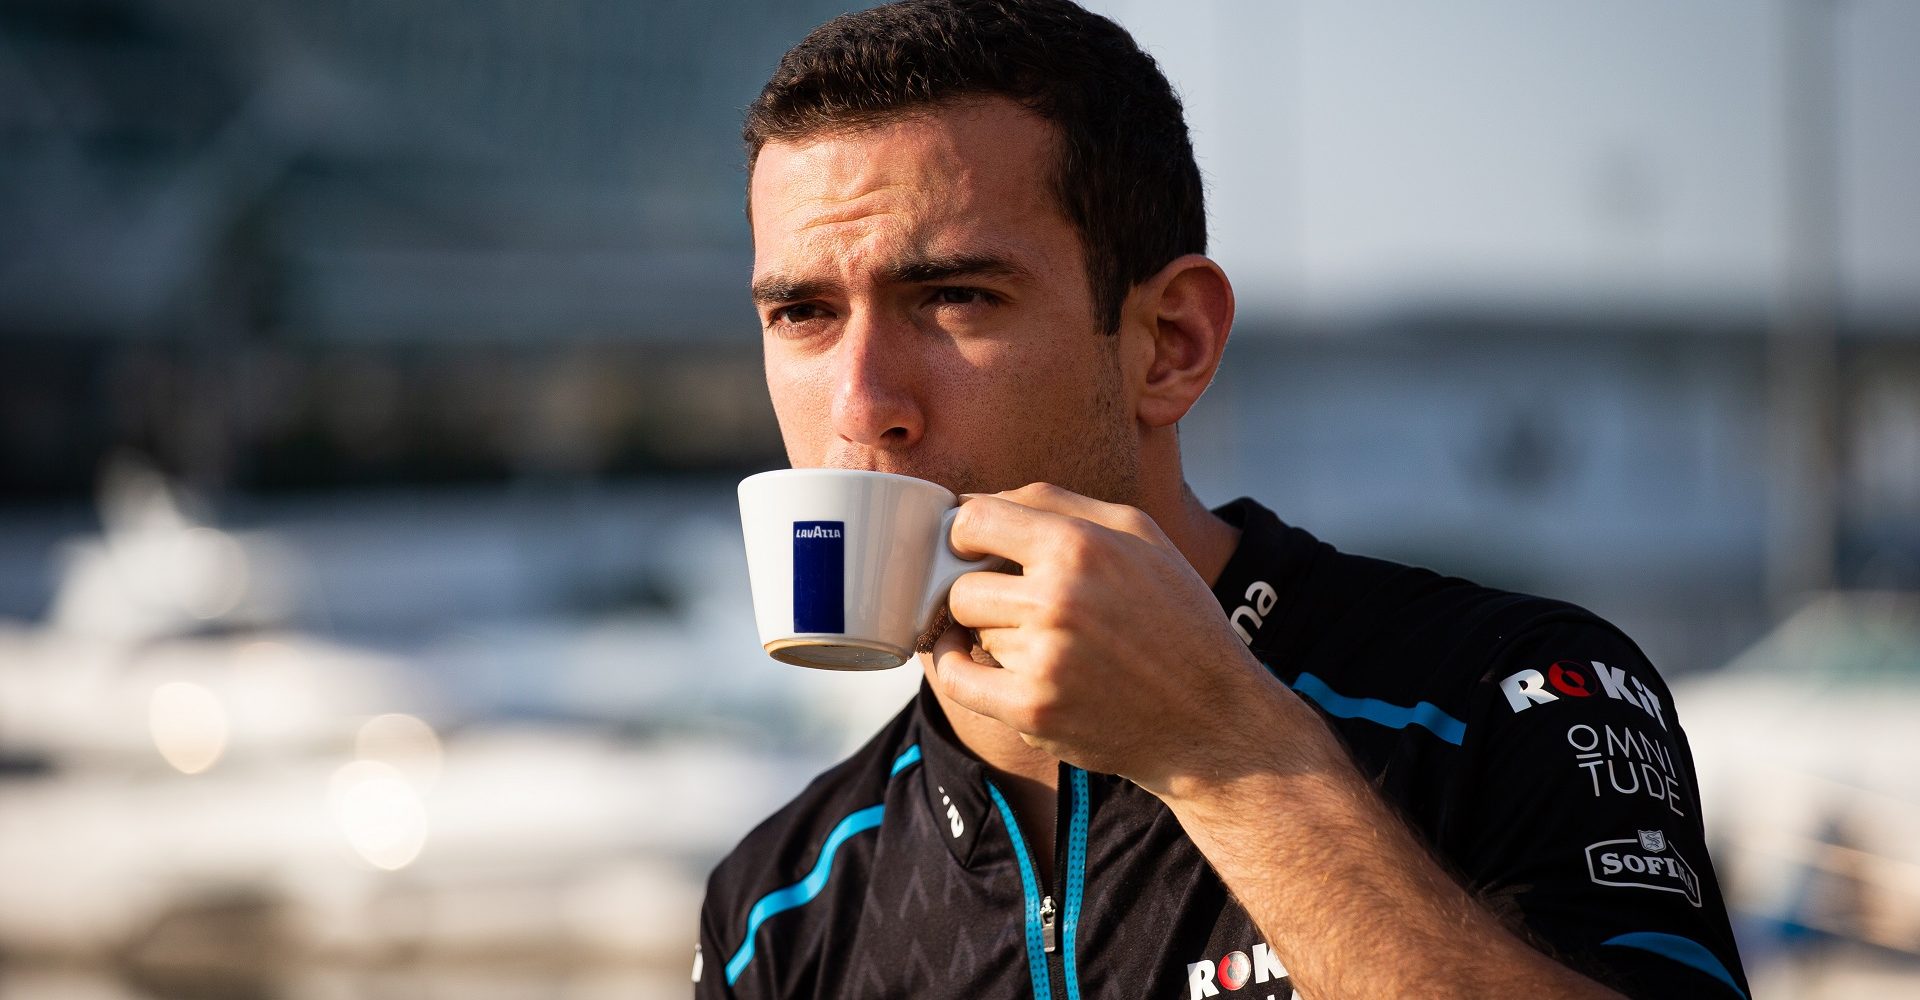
pixel 1030 775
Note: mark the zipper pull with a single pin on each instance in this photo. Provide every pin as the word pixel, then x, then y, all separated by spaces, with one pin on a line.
pixel 1046 924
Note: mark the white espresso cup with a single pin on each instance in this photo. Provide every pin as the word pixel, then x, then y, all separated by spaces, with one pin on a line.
pixel 848 568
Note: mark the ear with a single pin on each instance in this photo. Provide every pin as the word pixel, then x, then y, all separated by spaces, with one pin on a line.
pixel 1177 323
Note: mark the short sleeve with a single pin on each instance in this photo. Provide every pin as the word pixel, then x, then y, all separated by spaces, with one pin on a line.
pixel 1583 814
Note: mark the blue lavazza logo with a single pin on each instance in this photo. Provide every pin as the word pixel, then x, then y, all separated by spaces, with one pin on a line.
pixel 819 576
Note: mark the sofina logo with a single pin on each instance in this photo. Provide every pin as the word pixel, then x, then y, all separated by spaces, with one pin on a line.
pixel 819 576
pixel 1644 861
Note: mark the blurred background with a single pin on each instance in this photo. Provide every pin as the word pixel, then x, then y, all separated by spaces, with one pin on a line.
pixel 374 377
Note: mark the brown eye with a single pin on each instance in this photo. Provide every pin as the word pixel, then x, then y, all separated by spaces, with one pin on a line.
pixel 797 313
pixel 961 296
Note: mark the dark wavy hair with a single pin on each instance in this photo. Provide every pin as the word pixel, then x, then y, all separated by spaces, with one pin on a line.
pixel 1124 174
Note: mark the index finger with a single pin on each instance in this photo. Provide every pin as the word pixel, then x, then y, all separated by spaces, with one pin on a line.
pixel 990 524
pixel 1060 500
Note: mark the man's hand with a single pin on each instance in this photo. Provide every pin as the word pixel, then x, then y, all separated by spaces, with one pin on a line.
pixel 1113 653
pixel 1113 656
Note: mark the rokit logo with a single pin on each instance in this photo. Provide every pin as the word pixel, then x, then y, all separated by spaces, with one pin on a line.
pixel 1646 861
pixel 1568 679
pixel 1634 763
pixel 1234 970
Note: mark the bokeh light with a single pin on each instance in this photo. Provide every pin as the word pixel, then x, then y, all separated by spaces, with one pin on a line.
pixel 378 811
pixel 189 725
pixel 404 742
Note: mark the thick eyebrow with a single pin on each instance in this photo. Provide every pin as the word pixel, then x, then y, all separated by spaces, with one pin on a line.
pixel 946 268
pixel 780 288
pixel 921 270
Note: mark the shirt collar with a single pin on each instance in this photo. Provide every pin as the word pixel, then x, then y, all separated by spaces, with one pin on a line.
pixel 1259 590
pixel 956 783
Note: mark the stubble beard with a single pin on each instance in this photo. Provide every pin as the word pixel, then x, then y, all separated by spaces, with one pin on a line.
pixel 1097 458
pixel 1105 462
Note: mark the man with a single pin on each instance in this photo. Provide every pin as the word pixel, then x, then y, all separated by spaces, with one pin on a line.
pixel 1182 752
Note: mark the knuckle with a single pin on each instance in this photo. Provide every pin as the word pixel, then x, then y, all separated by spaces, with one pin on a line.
pixel 1077 545
pixel 966 518
pixel 1043 708
pixel 1061 603
pixel 1049 650
pixel 1024 716
pixel 1086 548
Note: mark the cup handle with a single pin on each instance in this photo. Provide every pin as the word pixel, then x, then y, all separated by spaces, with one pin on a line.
pixel 948 567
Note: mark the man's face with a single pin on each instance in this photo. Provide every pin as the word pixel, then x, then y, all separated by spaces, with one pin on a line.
pixel 925 308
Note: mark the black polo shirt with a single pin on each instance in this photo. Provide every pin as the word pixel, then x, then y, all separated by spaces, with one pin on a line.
pixel 1527 741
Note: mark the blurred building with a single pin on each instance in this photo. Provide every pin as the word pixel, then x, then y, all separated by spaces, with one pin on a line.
pixel 435 315
pixel 291 245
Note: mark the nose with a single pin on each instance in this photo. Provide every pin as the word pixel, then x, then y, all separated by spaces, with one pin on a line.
pixel 874 400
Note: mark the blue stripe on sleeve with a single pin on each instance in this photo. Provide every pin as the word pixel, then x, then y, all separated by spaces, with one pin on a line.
pixel 1687 952
pixel 1425 714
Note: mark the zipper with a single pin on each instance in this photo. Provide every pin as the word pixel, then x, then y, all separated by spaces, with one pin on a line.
pixel 1070 862
pixel 1062 809
pixel 1053 968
